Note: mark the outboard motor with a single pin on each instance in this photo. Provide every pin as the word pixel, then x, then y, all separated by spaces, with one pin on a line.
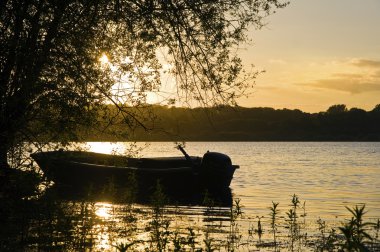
pixel 216 170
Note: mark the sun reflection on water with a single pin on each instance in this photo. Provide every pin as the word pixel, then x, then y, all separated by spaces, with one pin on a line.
pixel 103 210
pixel 106 147
pixel 104 240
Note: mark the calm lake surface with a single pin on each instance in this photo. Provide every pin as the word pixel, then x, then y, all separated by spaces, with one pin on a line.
pixel 327 175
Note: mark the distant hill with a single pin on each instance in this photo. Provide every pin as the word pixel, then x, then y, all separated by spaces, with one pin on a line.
pixel 255 124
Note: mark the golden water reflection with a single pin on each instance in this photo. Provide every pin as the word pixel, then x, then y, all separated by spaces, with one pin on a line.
pixel 120 225
pixel 105 213
pixel 103 210
pixel 106 147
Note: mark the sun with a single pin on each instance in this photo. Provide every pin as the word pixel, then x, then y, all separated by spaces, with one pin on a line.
pixel 104 59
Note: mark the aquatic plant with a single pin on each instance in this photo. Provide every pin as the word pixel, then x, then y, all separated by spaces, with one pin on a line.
pixel 124 247
pixel 327 239
pixel 191 238
pixel 234 236
pixel 159 234
pixel 355 230
pixel 377 228
pixel 259 231
pixel 292 221
pixel 177 242
pixel 159 225
pixel 273 221
pixel 208 243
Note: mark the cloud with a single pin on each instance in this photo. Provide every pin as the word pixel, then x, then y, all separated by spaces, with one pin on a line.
pixel 366 63
pixel 351 85
pixel 356 81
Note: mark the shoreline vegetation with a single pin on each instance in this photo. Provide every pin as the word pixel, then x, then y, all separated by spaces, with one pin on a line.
pixel 225 123
pixel 45 222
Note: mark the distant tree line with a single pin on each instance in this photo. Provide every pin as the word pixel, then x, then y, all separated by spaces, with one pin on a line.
pixel 226 123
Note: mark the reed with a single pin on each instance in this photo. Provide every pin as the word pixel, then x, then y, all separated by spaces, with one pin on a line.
pixel 292 222
pixel 234 236
pixel 208 243
pixel 259 231
pixel 159 224
pixel 273 221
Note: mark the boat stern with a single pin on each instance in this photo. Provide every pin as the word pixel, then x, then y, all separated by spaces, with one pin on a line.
pixel 216 170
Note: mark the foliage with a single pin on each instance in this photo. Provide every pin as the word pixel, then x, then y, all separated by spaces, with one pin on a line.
pixel 337 109
pixel 244 124
pixel 355 230
pixel 61 62
pixel 258 124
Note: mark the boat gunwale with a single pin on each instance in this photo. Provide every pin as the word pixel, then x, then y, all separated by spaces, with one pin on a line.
pixel 181 168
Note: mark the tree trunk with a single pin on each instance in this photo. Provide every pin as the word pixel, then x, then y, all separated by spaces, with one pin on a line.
pixel 3 153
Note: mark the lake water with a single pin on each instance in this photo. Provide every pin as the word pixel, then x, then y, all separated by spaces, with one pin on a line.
pixel 327 175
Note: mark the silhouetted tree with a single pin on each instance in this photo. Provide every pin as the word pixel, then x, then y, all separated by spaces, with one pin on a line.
pixel 376 109
pixel 50 72
pixel 374 115
pixel 335 109
pixel 262 124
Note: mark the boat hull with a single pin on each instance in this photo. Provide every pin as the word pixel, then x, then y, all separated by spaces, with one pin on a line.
pixel 87 169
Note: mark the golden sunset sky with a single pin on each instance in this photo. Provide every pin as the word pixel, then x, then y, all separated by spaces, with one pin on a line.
pixel 317 53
